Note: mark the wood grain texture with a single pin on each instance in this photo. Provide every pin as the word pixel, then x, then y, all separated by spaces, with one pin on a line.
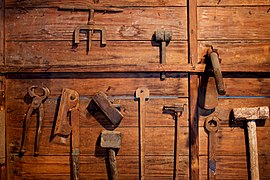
pixel 234 54
pixel 116 52
pixel 159 141
pixel 91 166
pixel 193 90
pixel 133 68
pixel 2 32
pixel 40 3
pixel 193 127
pixel 231 141
pixel 110 83
pixel 129 108
pixel 131 24
pixel 225 106
pixel 247 86
pixel 234 167
pixel 232 2
pixel 233 23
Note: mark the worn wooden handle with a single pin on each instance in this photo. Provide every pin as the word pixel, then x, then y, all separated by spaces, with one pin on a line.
pixel 217 72
pixel 253 150
pixel 3 172
pixel 113 164
pixel 75 167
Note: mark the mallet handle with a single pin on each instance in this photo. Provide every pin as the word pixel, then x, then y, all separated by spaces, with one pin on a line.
pixel 253 150
pixel 113 164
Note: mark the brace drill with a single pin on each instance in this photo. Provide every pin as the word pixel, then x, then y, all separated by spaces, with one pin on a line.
pixel 90 27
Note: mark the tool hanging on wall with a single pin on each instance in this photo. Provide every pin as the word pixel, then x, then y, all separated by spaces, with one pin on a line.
pixel 36 106
pixel 142 95
pixel 67 123
pixel 109 109
pixel 90 27
pixel 111 140
pixel 176 111
pixel 250 115
pixel 212 83
pixel 211 125
pixel 163 37
pixel 2 132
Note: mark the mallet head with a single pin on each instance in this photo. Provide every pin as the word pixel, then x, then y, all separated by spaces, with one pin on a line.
pixel 163 36
pixel 251 113
pixel 111 139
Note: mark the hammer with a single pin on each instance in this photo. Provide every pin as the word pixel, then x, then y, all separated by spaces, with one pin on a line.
pixel 251 115
pixel 163 37
pixel 111 140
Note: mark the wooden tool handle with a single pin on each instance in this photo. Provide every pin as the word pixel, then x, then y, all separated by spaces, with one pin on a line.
pixel 75 167
pixel 253 150
pixel 217 71
pixel 2 172
pixel 113 164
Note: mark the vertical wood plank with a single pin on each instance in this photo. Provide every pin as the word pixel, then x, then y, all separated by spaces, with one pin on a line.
pixel 193 91
pixel 2 129
pixel 2 32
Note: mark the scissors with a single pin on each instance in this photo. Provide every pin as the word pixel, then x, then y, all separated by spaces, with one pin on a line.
pixel 37 107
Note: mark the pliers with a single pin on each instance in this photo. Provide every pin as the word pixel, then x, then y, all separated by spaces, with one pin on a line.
pixel 37 107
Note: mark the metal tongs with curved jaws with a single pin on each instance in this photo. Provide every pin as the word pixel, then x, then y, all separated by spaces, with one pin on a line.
pixel 37 107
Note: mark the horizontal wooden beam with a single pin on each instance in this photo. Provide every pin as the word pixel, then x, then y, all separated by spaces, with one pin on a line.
pixel 199 68
pixel 103 68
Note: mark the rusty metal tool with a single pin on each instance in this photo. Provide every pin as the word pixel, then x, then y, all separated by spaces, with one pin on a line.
pixel 112 113
pixel 212 84
pixel 90 27
pixel 211 124
pixel 142 95
pixel 250 115
pixel 38 107
pixel 163 37
pixel 111 140
pixel 2 132
pixel 208 98
pixel 66 125
pixel 176 111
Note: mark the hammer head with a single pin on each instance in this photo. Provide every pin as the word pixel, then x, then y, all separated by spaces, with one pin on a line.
pixel 251 113
pixel 111 139
pixel 163 35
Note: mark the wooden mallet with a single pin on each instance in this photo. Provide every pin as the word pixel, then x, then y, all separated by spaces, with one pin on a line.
pixel 111 140
pixel 251 115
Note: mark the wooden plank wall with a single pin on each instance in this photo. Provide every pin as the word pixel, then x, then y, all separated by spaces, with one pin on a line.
pixel 238 29
pixel 129 36
pixel 51 31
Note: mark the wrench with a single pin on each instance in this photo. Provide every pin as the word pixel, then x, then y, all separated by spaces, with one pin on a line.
pixel 142 94
pixel 212 125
